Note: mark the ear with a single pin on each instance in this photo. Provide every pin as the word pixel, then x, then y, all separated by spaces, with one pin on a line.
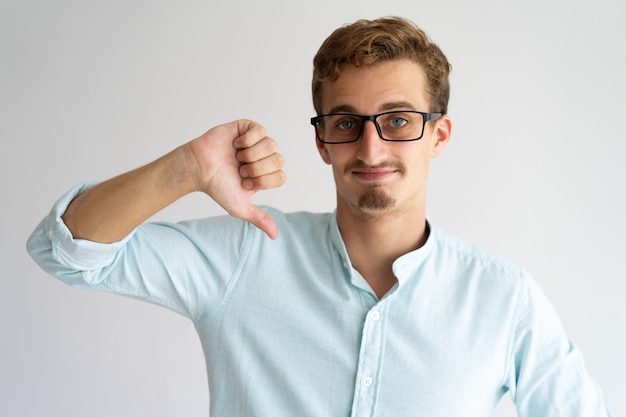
pixel 321 148
pixel 441 135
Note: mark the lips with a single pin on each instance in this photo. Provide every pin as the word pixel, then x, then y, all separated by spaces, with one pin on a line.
pixel 374 175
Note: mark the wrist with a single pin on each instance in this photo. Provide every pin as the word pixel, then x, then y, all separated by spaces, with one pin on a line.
pixel 179 171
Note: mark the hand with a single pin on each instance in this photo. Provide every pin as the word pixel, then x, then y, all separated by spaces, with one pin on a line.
pixel 232 162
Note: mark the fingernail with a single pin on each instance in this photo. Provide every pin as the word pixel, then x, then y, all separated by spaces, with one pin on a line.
pixel 247 184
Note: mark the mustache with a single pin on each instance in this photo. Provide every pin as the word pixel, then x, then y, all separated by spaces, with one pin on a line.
pixel 362 166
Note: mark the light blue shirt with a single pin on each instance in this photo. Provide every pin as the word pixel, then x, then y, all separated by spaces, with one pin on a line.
pixel 290 328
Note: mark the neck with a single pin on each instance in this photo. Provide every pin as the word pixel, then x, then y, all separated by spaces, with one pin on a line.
pixel 375 240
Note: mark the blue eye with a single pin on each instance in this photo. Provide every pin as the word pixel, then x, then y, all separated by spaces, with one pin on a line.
pixel 346 124
pixel 397 122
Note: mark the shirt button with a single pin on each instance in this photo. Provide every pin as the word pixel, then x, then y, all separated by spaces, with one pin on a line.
pixel 367 381
pixel 375 315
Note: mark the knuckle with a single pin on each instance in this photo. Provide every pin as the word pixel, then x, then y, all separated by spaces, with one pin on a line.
pixel 282 177
pixel 271 145
pixel 280 160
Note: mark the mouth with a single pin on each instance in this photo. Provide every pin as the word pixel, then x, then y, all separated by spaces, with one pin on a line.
pixel 374 175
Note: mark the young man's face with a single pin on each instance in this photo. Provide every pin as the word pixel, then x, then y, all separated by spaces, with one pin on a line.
pixel 374 176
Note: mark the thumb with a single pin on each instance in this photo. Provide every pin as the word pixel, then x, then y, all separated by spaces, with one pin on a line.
pixel 260 219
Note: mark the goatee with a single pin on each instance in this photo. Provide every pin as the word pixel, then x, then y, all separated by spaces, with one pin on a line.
pixel 376 200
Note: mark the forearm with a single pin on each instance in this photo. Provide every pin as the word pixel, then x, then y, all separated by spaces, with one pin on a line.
pixel 111 210
pixel 229 163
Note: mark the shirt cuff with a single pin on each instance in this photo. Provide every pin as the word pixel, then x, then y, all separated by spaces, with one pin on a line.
pixel 79 254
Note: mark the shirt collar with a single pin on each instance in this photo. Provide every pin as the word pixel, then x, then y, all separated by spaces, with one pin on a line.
pixel 408 264
pixel 403 267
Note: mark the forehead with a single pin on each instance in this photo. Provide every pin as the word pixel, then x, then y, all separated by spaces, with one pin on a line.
pixel 367 90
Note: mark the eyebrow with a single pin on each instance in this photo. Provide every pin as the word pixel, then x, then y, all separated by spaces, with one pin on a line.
pixel 394 105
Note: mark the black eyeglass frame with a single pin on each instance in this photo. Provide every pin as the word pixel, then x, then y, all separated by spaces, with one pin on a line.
pixel 425 116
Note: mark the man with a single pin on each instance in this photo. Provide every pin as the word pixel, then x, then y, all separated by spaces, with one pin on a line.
pixel 367 311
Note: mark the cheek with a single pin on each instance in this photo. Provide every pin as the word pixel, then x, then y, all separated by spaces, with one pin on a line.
pixel 418 164
pixel 337 155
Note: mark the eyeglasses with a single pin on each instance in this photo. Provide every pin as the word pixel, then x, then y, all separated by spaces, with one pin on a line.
pixel 392 126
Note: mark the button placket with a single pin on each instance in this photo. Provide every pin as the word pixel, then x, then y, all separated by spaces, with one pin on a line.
pixel 369 363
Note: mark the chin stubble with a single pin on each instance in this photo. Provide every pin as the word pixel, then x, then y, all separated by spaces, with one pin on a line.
pixel 376 200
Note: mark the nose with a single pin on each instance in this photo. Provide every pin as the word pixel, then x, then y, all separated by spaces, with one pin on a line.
pixel 372 149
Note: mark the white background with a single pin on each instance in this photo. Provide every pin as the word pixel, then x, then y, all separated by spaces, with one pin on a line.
pixel 89 89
